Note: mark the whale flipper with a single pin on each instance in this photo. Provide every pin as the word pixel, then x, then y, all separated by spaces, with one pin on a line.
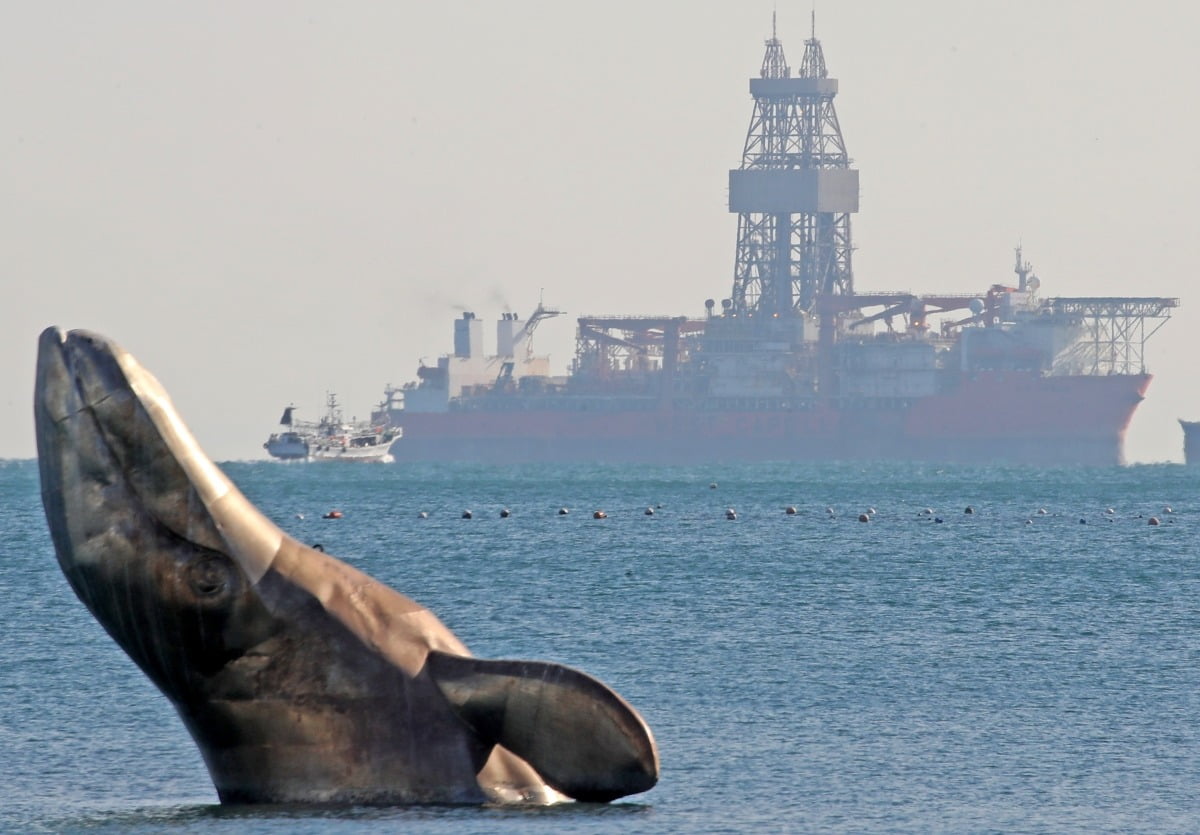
pixel 584 739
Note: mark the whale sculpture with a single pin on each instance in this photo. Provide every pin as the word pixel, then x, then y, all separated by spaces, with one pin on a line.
pixel 301 679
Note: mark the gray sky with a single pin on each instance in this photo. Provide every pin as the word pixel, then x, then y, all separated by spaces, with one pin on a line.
pixel 267 201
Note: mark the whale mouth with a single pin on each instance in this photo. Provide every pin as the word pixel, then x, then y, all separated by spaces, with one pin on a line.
pixel 81 475
pixel 100 451
pixel 86 406
pixel 102 420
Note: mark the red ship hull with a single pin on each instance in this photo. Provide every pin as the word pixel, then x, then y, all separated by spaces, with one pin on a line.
pixel 987 417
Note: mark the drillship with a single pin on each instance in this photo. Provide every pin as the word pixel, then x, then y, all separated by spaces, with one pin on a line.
pixel 796 364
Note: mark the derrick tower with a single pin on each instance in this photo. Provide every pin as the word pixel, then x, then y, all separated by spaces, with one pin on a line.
pixel 793 194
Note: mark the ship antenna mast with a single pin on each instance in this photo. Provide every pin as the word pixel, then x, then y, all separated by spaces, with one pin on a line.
pixel 1022 270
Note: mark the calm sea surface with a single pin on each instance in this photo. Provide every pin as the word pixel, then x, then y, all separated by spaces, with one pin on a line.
pixel 1003 670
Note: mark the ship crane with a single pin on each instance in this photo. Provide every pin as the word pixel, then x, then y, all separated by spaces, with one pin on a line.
pixel 895 304
pixel 540 313
pixel 917 309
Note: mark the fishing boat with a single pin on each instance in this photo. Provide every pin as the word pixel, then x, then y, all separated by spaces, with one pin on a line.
pixel 332 438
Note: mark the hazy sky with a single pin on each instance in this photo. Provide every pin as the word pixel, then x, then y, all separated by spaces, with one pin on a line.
pixel 267 201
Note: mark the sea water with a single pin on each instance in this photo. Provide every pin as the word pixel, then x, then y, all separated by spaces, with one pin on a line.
pixel 1030 666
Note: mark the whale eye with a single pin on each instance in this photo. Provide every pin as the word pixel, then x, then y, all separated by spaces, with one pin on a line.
pixel 208 576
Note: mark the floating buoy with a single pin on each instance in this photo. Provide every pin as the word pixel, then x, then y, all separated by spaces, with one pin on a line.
pixel 1028 521
pixel 870 511
pixel 731 514
pixel 599 514
pixel 1109 511
pixel 466 514
pixel 927 512
pixel 864 517
pixel 422 515
pixel 1153 520
pixel 829 510
pixel 1167 509
pixel 969 510
pixel 562 511
pixel 505 513
pixel 649 511
pixel 333 514
pixel 1041 511
pixel 300 516
pixel 790 511
pixel 712 486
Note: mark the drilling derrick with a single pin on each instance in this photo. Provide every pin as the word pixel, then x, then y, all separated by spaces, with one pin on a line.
pixel 793 194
